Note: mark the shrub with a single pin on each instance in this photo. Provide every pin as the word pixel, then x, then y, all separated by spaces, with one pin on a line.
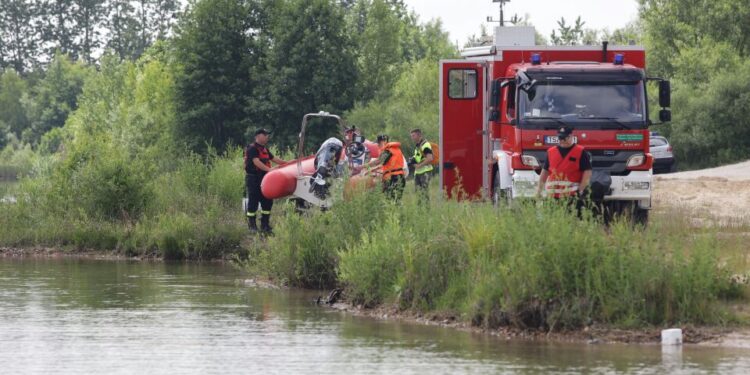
pixel 529 266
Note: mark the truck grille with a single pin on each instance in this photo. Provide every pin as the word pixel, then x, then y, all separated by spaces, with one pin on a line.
pixel 612 161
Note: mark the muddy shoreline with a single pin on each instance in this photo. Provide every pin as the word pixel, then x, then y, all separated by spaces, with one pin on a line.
pixel 50 252
pixel 724 337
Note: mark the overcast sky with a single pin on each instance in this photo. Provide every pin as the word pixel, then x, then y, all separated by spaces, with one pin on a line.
pixel 463 18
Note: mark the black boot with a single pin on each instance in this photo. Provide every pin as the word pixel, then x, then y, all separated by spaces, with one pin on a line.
pixel 265 224
pixel 251 224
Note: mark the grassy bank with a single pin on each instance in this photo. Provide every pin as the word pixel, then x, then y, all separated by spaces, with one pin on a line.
pixel 190 211
pixel 527 266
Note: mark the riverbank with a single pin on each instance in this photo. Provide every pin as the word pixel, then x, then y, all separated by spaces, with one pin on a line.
pixel 531 269
pixel 717 336
pixel 726 337
pixel 97 254
pixel 49 252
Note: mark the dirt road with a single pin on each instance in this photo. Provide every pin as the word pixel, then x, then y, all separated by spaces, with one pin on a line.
pixel 723 192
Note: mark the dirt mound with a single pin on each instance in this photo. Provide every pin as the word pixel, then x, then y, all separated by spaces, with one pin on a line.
pixel 715 197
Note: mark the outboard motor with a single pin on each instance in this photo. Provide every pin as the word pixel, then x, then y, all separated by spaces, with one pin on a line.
pixel 327 164
pixel 357 154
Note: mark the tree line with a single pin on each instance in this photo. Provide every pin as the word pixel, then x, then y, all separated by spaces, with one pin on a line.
pixel 241 64
pixel 703 47
pixel 33 31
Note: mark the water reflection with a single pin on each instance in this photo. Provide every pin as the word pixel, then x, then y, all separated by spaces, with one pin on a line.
pixel 83 316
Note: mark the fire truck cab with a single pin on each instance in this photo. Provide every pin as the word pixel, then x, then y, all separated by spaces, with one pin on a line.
pixel 501 106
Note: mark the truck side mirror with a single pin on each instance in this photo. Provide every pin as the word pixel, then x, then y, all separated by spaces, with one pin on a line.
pixel 497 88
pixel 665 115
pixel 665 94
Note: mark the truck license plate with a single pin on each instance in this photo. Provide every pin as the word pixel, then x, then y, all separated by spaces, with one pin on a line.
pixel 553 140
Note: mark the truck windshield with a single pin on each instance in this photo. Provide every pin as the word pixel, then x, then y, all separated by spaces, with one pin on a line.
pixel 583 105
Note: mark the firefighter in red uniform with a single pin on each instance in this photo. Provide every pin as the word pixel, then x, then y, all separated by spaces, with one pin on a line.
pixel 567 171
pixel 394 164
pixel 258 160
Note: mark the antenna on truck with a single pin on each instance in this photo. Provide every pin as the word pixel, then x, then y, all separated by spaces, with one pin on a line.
pixel 502 19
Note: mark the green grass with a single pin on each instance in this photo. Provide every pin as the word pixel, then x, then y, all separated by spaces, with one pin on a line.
pixel 192 212
pixel 531 265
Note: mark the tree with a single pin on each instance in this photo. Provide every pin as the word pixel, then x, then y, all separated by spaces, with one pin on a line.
pixel 310 66
pixel 568 34
pixel 380 51
pixel 54 97
pixel 89 16
pixel 162 14
pixel 674 25
pixel 12 113
pixel 436 42
pixel 216 51
pixel 632 33
pixel 56 28
pixel 703 47
pixel 18 34
pixel 124 32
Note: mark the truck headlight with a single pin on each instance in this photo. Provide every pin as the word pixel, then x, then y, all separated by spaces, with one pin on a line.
pixel 636 185
pixel 636 160
pixel 529 161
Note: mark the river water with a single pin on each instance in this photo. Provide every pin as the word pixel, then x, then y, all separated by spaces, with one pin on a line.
pixel 77 316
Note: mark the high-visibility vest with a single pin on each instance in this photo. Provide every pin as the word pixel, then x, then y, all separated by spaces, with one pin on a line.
pixel 419 156
pixel 565 174
pixel 395 164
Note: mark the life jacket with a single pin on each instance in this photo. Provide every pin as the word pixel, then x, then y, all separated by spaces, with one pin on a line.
pixel 395 164
pixel 565 174
pixel 263 155
pixel 419 156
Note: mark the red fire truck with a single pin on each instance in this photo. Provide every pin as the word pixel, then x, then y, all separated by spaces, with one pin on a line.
pixel 501 106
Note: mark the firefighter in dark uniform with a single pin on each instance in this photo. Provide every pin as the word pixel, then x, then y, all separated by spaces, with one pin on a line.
pixel 258 160
pixel 567 171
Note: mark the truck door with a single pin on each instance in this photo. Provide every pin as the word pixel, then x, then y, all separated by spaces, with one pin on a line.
pixel 463 132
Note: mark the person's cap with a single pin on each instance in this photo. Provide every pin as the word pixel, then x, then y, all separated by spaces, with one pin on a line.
pixel 262 131
pixel 564 131
pixel 382 138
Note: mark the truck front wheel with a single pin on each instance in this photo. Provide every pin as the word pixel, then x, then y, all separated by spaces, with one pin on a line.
pixel 639 216
pixel 500 195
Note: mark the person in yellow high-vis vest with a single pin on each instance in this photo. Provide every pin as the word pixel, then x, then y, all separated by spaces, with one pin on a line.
pixel 422 161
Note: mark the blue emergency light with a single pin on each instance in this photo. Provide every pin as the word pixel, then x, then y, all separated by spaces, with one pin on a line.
pixel 536 59
pixel 619 59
